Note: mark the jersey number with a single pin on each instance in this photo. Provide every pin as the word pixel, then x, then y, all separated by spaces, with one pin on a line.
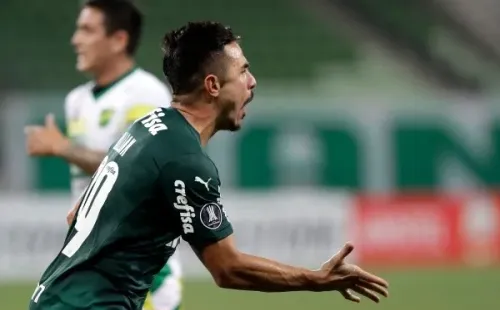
pixel 96 194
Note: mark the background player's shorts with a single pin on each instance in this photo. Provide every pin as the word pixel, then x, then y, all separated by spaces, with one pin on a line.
pixel 166 293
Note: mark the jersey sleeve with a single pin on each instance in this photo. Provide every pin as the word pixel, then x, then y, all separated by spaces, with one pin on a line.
pixel 192 188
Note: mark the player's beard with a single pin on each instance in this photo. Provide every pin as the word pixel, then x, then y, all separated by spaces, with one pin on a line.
pixel 227 119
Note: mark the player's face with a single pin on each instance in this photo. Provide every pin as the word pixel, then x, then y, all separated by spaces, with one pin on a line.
pixel 237 91
pixel 93 46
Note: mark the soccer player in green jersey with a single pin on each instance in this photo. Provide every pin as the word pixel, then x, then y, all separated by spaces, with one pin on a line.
pixel 157 185
pixel 105 40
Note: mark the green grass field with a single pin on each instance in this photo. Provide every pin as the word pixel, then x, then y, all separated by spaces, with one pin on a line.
pixel 451 289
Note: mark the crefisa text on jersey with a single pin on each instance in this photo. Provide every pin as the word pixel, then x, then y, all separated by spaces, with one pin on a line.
pixel 153 122
pixel 182 204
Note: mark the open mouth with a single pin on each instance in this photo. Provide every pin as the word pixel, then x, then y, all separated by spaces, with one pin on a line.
pixel 249 99
pixel 243 112
pixel 243 109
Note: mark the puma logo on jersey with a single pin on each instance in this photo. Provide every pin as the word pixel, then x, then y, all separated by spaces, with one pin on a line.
pixel 181 204
pixel 153 122
pixel 200 180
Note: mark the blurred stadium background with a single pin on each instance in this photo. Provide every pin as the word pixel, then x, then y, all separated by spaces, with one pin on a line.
pixel 374 121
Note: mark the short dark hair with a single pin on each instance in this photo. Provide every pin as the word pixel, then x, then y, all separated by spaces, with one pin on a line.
pixel 120 15
pixel 190 49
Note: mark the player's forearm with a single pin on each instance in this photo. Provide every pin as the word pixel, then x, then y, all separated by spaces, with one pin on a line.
pixel 260 274
pixel 86 159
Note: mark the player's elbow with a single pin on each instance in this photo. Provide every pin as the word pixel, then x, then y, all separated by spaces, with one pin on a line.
pixel 221 280
pixel 224 262
pixel 227 275
pixel 224 278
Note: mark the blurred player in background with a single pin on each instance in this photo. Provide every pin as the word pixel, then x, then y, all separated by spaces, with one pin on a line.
pixel 157 185
pixel 98 112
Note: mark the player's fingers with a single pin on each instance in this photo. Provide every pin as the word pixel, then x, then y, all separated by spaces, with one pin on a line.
pixel 350 279
pixel 368 277
pixel 365 292
pixel 375 288
pixel 345 282
pixel 350 296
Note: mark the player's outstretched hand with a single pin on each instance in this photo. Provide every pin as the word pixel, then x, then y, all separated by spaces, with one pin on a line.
pixel 350 279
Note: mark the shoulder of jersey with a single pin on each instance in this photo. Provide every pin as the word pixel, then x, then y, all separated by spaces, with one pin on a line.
pixel 145 82
pixel 77 93
pixel 79 90
pixel 167 132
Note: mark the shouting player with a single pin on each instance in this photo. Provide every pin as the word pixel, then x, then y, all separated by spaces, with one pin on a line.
pixel 157 185
pixel 98 112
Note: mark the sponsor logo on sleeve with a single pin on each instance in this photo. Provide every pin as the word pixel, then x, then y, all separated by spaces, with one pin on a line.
pixel 187 212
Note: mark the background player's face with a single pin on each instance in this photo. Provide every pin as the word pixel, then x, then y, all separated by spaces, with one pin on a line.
pixel 237 90
pixel 93 46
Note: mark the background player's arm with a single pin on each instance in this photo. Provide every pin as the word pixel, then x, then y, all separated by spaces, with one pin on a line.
pixel 86 159
pixel 72 213
pixel 192 185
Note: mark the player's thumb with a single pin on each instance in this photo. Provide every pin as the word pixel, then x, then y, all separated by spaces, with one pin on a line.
pixel 50 120
pixel 344 252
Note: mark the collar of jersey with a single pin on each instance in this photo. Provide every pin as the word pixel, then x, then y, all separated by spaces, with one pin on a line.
pixel 193 131
pixel 99 91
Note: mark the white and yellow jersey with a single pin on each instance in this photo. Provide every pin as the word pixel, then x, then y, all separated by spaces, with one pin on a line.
pixel 97 120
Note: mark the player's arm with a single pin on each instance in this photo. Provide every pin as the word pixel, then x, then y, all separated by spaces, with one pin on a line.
pixel 233 269
pixel 86 159
pixel 70 217
pixel 72 213
pixel 205 226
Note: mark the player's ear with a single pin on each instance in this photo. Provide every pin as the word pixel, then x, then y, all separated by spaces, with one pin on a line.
pixel 120 41
pixel 212 85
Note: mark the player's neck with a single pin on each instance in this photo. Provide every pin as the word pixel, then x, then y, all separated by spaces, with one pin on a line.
pixel 201 118
pixel 113 71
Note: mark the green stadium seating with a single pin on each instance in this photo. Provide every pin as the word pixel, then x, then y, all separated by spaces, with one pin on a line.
pixel 281 41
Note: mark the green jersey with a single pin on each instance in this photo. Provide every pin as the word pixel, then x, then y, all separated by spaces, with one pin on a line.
pixel 155 185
